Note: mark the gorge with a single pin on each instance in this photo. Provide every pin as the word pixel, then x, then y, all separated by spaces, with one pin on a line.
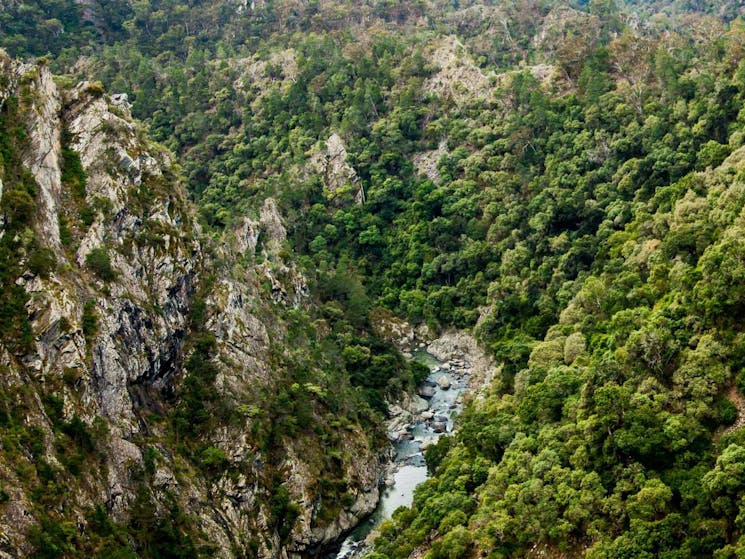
pixel 228 227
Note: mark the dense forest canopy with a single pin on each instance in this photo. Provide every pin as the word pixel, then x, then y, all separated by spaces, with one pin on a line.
pixel 567 180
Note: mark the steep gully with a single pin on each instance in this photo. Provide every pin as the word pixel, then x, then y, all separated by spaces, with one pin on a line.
pixel 431 415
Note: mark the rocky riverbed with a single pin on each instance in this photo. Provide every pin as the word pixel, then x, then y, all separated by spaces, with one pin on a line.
pixel 457 368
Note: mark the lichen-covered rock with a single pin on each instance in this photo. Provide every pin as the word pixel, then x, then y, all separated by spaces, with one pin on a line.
pixel 330 161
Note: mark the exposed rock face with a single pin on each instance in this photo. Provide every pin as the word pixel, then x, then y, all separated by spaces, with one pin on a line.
pixel 458 77
pixel 43 157
pixel 365 475
pixel 259 74
pixel 331 163
pixel 134 345
pixel 130 366
pixel 391 328
pixel 458 345
pixel 426 162
pixel 563 21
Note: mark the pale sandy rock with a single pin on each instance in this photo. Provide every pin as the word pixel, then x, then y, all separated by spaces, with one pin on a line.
pixel 330 160
pixel 44 155
pixel 391 328
pixel 454 345
pixel 563 20
pixel 458 77
pixel 247 236
pixel 426 162
pixel 254 74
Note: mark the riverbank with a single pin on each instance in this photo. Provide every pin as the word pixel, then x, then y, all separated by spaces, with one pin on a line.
pixel 458 371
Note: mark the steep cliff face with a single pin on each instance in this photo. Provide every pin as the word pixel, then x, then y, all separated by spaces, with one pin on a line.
pixel 141 361
pixel 101 327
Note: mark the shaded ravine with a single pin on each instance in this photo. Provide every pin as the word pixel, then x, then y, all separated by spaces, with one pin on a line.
pixel 443 390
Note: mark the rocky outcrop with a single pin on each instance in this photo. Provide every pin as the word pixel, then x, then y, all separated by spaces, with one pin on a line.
pixel 330 161
pixel 426 161
pixel 95 341
pixel 111 325
pixel 42 157
pixel 393 329
pixel 458 78
pixel 456 345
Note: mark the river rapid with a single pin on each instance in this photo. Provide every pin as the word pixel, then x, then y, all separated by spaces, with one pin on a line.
pixel 438 403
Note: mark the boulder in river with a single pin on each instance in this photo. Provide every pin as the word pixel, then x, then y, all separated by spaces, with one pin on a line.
pixel 394 411
pixel 439 427
pixel 418 404
pixel 426 391
pixel 443 382
pixel 427 415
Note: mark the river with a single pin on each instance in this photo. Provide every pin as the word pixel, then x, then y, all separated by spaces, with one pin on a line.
pixel 409 468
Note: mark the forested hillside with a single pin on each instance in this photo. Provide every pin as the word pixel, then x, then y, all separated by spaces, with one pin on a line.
pixel 564 179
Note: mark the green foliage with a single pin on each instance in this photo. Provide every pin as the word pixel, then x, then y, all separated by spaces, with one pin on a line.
pixel 17 209
pixel 65 234
pixel 283 511
pixel 198 397
pixel 213 459
pixel 103 538
pixel 712 154
pixel 89 320
pixel 436 453
pixel 585 225
pixel 454 545
pixel 167 534
pixel 73 174
pixel 52 540
pixel 42 262
pixel 99 262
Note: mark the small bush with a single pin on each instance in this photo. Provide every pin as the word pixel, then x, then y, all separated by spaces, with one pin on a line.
pixel 727 411
pixel 52 539
pixel 741 381
pixel 213 459
pixel 78 432
pixel 19 208
pixel 65 234
pixel 71 376
pixel 90 320
pixel 41 262
pixel 99 262
pixel 87 215
pixel 96 89
pixel 73 174
pixel 418 371
pixel 435 454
